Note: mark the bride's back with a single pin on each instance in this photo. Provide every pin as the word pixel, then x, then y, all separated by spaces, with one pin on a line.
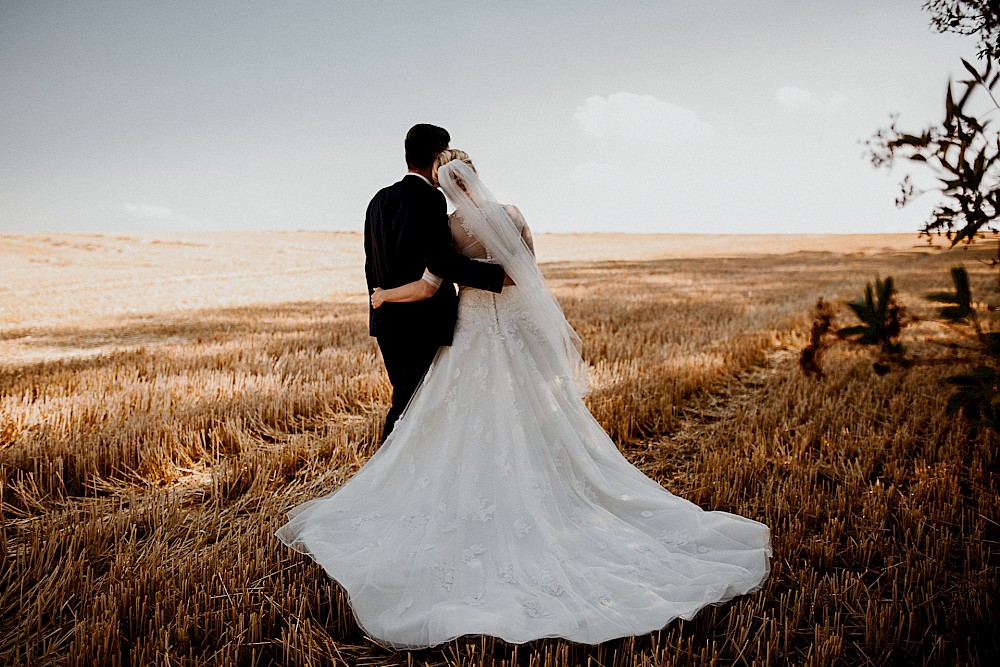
pixel 470 246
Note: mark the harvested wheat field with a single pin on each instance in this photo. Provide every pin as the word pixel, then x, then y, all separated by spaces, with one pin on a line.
pixel 164 400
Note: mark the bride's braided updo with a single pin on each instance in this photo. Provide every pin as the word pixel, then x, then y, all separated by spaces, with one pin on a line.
pixel 446 156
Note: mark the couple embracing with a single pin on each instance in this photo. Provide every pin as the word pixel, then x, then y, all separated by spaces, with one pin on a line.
pixel 497 505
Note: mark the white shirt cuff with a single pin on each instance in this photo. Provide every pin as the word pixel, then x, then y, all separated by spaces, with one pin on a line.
pixel 431 279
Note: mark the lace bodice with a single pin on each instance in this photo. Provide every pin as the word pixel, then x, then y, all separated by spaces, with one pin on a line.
pixel 469 245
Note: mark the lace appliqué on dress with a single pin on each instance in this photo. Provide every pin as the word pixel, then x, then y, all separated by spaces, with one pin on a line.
pixel 445 571
pixel 361 519
pixel 481 510
pixel 473 552
pixel 505 573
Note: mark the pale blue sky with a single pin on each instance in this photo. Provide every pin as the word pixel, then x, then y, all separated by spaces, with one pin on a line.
pixel 659 116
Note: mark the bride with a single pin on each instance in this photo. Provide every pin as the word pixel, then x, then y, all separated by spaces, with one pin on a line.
pixel 498 505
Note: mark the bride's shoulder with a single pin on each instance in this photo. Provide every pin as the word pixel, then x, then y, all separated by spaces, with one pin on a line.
pixel 515 214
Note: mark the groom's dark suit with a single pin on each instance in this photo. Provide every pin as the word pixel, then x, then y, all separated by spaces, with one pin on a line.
pixel 406 231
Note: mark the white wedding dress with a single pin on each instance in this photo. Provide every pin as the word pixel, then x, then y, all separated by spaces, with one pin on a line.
pixel 499 506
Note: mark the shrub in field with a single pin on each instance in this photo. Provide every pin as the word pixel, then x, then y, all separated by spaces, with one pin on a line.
pixel 882 318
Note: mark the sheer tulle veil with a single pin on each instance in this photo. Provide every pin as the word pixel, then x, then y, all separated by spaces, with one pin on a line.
pixel 486 219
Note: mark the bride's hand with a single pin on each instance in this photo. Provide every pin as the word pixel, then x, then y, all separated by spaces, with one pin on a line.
pixel 377 297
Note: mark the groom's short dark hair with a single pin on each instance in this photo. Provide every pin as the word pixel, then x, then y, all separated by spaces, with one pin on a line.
pixel 423 143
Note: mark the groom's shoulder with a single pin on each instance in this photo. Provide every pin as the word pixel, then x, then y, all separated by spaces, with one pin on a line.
pixel 410 189
pixel 406 195
pixel 384 195
pixel 401 188
pixel 389 189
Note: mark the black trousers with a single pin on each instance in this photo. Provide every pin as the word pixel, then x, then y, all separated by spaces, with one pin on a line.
pixel 406 360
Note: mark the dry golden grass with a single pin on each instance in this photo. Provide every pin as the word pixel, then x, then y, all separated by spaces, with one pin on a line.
pixel 146 460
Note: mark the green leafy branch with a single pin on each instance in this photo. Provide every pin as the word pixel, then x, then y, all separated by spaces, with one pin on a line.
pixel 962 153
pixel 969 17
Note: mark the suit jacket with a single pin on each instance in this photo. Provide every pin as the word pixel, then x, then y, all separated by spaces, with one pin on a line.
pixel 406 231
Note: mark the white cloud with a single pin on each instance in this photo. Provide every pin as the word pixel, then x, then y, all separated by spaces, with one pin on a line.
pixel 639 117
pixel 836 100
pixel 790 96
pixel 165 216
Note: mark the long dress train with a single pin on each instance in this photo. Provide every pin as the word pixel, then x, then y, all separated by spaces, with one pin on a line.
pixel 499 506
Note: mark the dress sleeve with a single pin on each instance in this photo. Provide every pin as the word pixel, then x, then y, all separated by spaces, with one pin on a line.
pixel 522 226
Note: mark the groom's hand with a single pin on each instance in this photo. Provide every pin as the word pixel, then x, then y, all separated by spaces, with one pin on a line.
pixel 507 280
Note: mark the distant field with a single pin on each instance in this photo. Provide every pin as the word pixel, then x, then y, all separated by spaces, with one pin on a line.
pixel 51 280
pixel 165 399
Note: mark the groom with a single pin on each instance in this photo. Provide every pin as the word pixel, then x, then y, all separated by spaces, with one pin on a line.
pixel 406 231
